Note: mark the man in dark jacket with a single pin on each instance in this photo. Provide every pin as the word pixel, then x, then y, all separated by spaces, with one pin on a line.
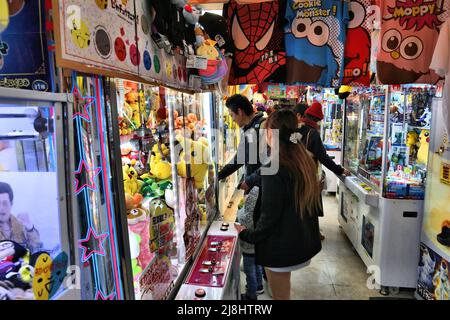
pixel 311 139
pixel 313 142
pixel 241 111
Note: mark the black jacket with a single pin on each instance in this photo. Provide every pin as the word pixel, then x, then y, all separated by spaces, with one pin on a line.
pixel 316 147
pixel 281 237
pixel 252 164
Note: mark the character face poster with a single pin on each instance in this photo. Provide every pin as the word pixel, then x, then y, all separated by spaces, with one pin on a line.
pixel 256 30
pixel 358 44
pixel 314 39
pixel 409 31
pixel 23 47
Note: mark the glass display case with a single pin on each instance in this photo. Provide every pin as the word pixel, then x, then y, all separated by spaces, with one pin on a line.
pixel 149 186
pixel 332 126
pixel 36 228
pixel 408 143
pixel 364 121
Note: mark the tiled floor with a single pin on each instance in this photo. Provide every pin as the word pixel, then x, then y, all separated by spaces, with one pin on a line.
pixel 336 273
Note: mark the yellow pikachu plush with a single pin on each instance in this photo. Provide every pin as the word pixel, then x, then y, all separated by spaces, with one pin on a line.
pixel 422 154
pixel 198 158
pixel 160 168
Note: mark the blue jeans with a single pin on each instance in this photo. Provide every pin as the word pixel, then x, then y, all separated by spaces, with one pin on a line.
pixel 253 274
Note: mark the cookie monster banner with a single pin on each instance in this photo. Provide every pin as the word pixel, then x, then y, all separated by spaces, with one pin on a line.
pixel 409 32
pixel 23 46
pixel 315 37
pixel 256 30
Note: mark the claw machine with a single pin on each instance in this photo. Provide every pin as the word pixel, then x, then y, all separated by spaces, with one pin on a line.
pixel 38 258
pixel 147 190
pixel 331 131
pixel 386 140
pixel 214 273
pixel 433 271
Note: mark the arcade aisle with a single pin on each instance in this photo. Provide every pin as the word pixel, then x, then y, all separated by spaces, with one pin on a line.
pixel 336 273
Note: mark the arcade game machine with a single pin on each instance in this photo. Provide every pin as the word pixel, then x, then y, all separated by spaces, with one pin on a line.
pixel 433 271
pixel 331 131
pixel 37 229
pixel 148 190
pixel 197 202
pixel 381 205
pixel 227 144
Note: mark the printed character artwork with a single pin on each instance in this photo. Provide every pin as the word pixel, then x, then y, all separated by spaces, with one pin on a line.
pixel 315 37
pixel 409 32
pixel 358 45
pixel 101 34
pixel 23 45
pixel 433 275
pixel 256 30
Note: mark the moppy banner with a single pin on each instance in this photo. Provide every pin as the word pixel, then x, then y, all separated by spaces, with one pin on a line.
pixel 409 32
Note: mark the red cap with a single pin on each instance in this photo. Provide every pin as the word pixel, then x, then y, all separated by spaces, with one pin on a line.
pixel 315 110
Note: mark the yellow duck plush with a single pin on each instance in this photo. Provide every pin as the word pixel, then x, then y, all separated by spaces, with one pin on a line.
pixel 160 168
pixel 198 159
pixel 422 154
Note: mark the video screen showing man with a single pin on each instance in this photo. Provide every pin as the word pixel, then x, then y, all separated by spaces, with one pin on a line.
pixel 16 228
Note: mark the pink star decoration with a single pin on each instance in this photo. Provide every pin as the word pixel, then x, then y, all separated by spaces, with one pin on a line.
pixel 90 174
pixel 101 296
pixel 86 101
pixel 92 246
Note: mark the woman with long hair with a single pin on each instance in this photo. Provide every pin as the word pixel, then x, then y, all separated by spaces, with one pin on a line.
pixel 286 229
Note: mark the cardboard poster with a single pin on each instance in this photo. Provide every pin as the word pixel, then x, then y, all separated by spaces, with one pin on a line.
pixel 23 47
pixel 115 35
pixel 99 33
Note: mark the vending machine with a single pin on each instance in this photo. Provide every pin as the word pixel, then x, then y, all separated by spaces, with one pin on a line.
pixel 433 272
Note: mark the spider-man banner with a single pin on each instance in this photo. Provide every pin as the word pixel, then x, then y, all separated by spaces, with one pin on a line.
pixel 257 33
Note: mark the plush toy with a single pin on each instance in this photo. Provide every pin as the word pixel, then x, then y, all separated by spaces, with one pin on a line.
pixel 130 180
pixel 412 140
pixel 159 166
pixel 192 16
pixel 139 224
pixel 422 154
pixel 198 158
pixel 132 99
pixel 135 241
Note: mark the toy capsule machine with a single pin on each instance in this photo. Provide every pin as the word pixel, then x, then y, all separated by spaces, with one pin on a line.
pixel 386 145
pixel 37 254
